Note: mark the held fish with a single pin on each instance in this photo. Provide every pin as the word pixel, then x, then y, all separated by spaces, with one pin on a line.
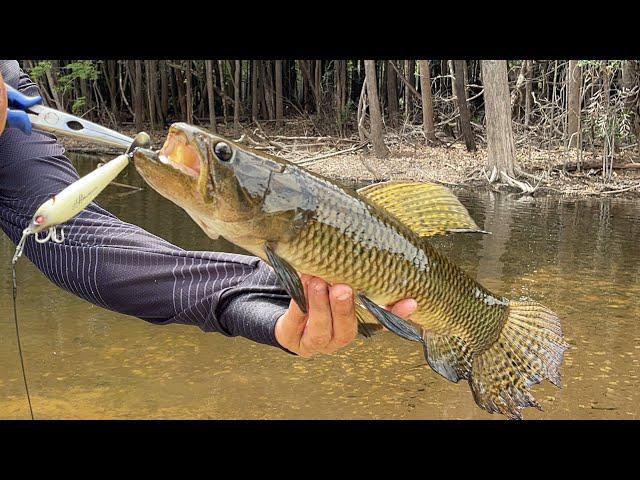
pixel 376 240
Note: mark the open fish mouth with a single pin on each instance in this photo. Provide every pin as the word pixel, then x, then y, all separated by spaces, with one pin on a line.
pixel 177 152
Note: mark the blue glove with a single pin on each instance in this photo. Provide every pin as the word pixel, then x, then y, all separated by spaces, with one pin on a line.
pixel 18 103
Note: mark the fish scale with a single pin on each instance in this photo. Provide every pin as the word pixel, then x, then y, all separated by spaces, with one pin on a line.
pixel 350 253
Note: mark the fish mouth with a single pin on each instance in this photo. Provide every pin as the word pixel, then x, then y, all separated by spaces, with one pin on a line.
pixel 178 152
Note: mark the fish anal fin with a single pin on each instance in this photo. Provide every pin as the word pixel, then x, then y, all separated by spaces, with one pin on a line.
pixel 426 208
pixel 391 321
pixel 447 355
pixel 288 277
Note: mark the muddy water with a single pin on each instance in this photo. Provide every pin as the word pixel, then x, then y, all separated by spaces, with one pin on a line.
pixel 579 257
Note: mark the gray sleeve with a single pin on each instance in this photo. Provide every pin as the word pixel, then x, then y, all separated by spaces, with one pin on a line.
pixel 122 267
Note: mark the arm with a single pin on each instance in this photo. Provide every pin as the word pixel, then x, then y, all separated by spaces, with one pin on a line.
pixel 122 267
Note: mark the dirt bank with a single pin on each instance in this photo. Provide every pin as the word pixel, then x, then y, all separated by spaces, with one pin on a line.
pixel 554 171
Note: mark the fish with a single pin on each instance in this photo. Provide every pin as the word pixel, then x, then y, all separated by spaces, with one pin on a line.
pixel 375 239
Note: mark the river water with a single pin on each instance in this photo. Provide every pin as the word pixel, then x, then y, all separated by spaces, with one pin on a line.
pixel 579 257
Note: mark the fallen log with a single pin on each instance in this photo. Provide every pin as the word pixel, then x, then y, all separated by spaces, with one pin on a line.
pixel 572 166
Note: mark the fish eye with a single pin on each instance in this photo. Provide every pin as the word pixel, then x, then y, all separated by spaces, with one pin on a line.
pixel 223 151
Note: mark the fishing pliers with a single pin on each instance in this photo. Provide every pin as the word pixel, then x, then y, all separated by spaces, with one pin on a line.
pixel 18 103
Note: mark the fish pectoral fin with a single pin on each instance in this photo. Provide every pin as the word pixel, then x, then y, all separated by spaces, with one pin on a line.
pixel 391 321
pixel 288 277
pixel 447 355
pixel 426 208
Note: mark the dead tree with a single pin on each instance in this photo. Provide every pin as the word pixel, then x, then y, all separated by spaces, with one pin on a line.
pixel 211 95
pixel 463 107
pixel 501 148
pixel 375 116
pixel 427 101
pixel 574 84
pixel 279 120
pixel 237 83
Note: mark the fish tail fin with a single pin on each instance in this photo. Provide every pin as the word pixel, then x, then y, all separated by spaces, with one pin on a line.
pixel 530 347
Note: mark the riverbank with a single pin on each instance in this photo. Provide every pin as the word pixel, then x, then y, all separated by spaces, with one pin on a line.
pixel 549 172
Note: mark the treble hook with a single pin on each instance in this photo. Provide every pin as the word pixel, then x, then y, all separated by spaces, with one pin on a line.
pixel 45 239
pixel 54 235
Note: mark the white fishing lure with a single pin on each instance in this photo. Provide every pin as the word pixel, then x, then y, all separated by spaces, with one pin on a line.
pixel 69 202
pixel 73 199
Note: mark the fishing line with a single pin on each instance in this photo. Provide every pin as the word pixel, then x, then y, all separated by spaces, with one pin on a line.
pixel 19 249
pixel 60 208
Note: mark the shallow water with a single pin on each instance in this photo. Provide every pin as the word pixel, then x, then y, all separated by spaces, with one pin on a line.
pixel 579 257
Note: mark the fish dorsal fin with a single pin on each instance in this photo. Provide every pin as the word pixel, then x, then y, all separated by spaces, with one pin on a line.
pixel 426 208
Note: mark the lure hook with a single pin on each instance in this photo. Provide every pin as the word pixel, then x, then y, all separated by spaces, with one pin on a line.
pixel 54 235
pixel 45 239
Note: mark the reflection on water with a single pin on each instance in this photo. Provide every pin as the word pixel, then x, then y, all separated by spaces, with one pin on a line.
pixel 579 257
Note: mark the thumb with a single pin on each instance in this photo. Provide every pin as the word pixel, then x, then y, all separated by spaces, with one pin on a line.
pixel 291 325
pixel 3 104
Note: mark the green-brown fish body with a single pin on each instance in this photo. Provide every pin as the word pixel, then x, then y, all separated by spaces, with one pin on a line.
pixel 375 241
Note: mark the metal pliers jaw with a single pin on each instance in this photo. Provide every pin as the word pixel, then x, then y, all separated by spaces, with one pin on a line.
pixel 60 123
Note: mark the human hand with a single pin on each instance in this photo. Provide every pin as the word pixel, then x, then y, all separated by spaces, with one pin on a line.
pixel 331 323
pixel 3 104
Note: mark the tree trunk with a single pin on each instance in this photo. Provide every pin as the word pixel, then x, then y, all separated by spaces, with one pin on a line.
pixel 304 92
pixel 208 65
pixel 254 90
pixel 465 115
pixel 279 121
pixel 164 90
pixel 527 93
pixel 267 82
pixel 310 82
pixel 179 84
pixel 392 95
pixel 340 83
pixel 138 100
pixel 86 93
pixel 631 80
pixel 409 67
pixel 427 101
pixel 150 78
pixel 52 79
pixel 553 97
pixel 237 81
pixel 377 133
pixel 317 87
pixel 189 91
pixel 223 93
pixel 111 74
pixel 574 84
pixel 501 147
